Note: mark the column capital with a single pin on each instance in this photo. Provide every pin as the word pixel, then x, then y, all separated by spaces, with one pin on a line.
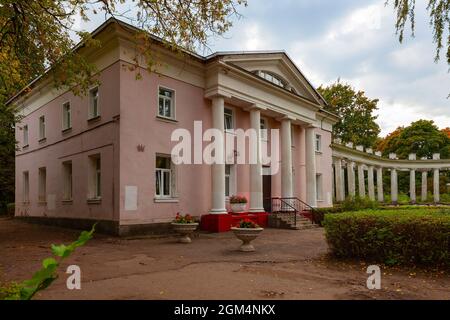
pixel 285 118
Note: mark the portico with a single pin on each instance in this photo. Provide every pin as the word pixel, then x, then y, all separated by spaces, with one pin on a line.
pixel 294 109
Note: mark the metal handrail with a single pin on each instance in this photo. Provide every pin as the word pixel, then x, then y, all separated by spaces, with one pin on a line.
pixel 302 207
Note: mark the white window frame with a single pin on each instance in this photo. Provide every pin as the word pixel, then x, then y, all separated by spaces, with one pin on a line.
pixel 172 174
pixel 42 127
pixel 232 115
pixel 165 98
pixel 91 114
pixel 66 116
pixel 231 181
pixel 25 135
pixel 319 187
pixel 26 186
pixel 42 184
pixel 318 143
pixel 95 177
pixel 68 181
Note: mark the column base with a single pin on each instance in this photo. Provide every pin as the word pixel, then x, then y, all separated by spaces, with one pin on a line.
pixel 218 211
pixel 256 210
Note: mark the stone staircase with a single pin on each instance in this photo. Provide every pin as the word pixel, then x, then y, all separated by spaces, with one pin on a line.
pixel 286 221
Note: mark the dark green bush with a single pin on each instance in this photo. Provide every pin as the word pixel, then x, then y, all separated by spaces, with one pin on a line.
pixel 391 236
pixel 10 208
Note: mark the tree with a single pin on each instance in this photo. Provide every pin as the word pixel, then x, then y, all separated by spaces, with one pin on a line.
pixel 439 12
pixel 36 35
pixel 446 131
pixel 390 143
pixel 357 122
pixel 422 137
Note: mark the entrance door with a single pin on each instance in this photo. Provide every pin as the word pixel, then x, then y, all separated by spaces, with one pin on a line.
pixel 267 191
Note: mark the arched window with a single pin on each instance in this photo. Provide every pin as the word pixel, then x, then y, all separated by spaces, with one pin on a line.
pixel 275 79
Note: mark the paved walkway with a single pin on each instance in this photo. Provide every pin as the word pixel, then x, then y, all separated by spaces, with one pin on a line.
pixel 287 265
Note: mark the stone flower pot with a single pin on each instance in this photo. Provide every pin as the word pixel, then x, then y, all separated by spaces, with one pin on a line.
pixel 184 230
pixel 247 235
pixel 238 207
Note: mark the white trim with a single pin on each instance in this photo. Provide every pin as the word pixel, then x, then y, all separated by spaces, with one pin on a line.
pixel 173 106
pixel 62 113
pixel 90 115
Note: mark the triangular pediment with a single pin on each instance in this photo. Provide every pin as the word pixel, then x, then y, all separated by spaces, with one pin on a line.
pixel 278 64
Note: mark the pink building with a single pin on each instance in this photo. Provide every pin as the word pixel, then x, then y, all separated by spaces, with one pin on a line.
pixel 107 156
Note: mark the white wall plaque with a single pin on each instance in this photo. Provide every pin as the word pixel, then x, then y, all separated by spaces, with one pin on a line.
pixel 131 193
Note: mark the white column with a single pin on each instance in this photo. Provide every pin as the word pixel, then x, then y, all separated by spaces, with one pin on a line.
pixel 371 186
pixel 338 180
pixel 436 185
pixel 351 179
pixel 424 190
pixel 256 183
pixel 394 186
pixel 380 191
pixel 286 158
pixel 310 163
pixel 218 169
pixel 412 185
pixel 361 182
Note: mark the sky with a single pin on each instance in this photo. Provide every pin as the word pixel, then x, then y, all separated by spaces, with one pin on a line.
pixel 355 41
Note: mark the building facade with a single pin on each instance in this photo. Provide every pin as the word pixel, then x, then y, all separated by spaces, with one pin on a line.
pixel 106 156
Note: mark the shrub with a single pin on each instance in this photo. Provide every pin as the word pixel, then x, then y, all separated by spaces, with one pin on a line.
pixel 10 209
pixel 358 203
pixel 391 236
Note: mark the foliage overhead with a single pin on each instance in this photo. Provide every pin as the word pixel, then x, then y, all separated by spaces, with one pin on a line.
pixel 422 137
pixel 35 35
pixel 439 13
pixel 357 121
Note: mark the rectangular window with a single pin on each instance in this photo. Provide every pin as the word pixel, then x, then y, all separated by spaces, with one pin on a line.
pixel 263 128
pixel 67 175
pixel 25 135
pixel 41 127
pixel 95 177
pixel 166 104
pixel 42 188
pixel 318 143
pixel 319 189
pixel 164 175
pixel 94 110
pixel 228 119
pixel 66 116
pixel 26 186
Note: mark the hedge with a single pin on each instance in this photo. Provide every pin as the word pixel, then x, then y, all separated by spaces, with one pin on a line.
pixel 391 236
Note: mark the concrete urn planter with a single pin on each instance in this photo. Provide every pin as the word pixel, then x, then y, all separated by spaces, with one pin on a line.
pixel 184 230
pixel 247 235
pixel 238 207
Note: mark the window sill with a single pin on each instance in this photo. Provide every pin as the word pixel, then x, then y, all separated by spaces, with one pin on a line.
pixel 94 201
pixel 166 200
pixel 318 152
pixel 67 201
pixel 94 119
pixel 43 140
pixel 26 203
pixel 67 130
pixel 42 202
pixel 25 147
pixel 165 119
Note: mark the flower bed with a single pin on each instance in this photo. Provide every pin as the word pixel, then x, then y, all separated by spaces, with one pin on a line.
pixel 391 236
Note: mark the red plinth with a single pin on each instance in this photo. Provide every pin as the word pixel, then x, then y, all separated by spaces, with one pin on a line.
pixel 224 222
